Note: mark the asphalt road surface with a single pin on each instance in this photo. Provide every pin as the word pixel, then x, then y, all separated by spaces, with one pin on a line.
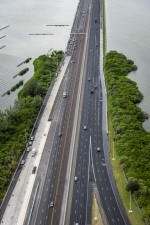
pixel 91 166
pixel 46 199
pixel 90 156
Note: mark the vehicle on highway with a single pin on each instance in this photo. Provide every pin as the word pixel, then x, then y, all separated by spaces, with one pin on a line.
pixel 98 149
pixel 33 152
pixel 23 162
pixel 85 127
pixel 59 134
pixel 30 143
pixel 75 179
pixel 89 79
pixel 34 170
pixel 64 94
pixel 28 149
pixel 95 20
pixel 52 204
pixel 95 86
pixel 92 91
pixel 32 138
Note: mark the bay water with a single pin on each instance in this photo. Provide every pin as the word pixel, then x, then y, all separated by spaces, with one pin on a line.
pixel 128 32
pixel 24 18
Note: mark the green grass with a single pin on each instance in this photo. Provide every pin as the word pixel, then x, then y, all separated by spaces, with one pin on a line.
pixel 96 216
pixel 134 217
pixel 104 28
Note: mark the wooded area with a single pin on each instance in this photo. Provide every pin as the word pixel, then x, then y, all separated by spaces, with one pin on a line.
pixel 19 119
pixel 132 142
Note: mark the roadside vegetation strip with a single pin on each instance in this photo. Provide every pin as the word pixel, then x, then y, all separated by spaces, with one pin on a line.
pixel 104 27
pixel 135 217
pixel 131 141
pixel 16 123
pixel 96 216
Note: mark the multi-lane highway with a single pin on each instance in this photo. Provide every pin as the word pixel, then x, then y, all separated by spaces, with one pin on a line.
pixel 91 147
pixel 46 199
pixel 74 155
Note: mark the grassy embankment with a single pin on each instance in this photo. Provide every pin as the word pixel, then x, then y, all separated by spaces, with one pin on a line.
pixel 17 122
pixel 131 141
pixel 96 216
pixel 104 27
pixel 132 146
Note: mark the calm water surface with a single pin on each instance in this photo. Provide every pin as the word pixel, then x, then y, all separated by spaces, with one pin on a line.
pixel 24 18
pixel 128 31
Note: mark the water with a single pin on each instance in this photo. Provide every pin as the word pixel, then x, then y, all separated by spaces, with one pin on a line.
pixel 24 18
pixel 127 24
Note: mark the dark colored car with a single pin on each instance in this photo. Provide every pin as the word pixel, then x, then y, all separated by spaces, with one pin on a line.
pixel 34 170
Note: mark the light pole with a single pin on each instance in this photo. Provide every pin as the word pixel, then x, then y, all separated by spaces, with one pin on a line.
pixel 130 210
pixel 113 158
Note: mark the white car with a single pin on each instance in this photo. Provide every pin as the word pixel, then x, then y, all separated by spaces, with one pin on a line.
pixel 23 162
pixel 52 204
pixel 98 149
pixel 28 149
pixel 76 179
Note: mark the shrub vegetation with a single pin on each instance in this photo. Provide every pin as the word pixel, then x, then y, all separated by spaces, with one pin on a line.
pixel 27 60
pixel 20 118
pixel 132 142
pixel 20 83
pixel 22 72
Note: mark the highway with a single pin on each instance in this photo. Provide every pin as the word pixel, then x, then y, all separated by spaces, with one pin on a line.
pixel 49 185
pixel 90 155
pixel 74 158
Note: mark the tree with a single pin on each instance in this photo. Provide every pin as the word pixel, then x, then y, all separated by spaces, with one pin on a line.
pixel 133 186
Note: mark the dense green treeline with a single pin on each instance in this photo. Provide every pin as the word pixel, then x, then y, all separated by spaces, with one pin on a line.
pixel 17 122
pixel 132 142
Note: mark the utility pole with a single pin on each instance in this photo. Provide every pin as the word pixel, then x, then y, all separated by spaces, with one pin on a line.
pixel 113 152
